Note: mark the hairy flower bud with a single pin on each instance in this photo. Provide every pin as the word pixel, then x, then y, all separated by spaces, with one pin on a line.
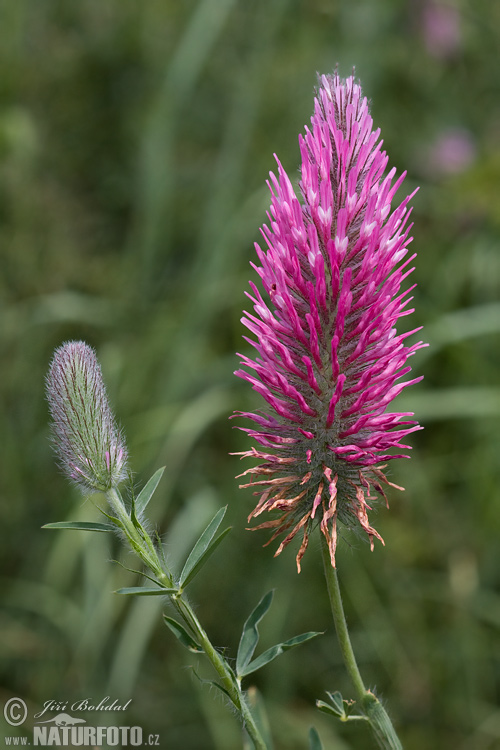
pixel 91 449
pixel 329 356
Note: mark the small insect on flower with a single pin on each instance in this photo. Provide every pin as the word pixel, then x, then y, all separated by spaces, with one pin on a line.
pixel 91 449
pixel 330 360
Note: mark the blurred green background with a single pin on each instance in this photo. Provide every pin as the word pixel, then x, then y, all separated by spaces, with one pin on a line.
pixel 135 141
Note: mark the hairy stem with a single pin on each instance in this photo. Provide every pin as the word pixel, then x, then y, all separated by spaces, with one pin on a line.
pixel 220 665
pixel 142 545
pixel 376 714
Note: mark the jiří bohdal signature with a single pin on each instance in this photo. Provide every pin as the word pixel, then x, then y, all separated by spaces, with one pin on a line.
pixel 84 704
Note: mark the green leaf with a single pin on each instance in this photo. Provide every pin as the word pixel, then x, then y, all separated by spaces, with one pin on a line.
pixel 181 633
pixel 115 521
pixel 80 526
pixel 214 684
pixel 203 548
pixel 203 559
pixel 275 651
pixel 337 701
pixel 138 572
pixel 250 634
pixel 314 740
pixel 145 591
pixel 147 491
pixel 327 709
pixel 340 708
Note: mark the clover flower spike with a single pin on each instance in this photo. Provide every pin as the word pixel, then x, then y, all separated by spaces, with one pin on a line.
pixel 91 449
pixel 329 359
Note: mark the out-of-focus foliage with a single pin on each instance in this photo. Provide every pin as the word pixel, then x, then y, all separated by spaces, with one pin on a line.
pixel 135 141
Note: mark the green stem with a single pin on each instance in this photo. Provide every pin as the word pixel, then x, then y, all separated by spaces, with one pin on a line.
pixel 142 545
pixel 376 714
pixel 229 683
pixel 140 542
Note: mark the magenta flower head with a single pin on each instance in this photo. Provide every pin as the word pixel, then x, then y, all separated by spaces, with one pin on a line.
pixel 329 359
pixel 90 447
